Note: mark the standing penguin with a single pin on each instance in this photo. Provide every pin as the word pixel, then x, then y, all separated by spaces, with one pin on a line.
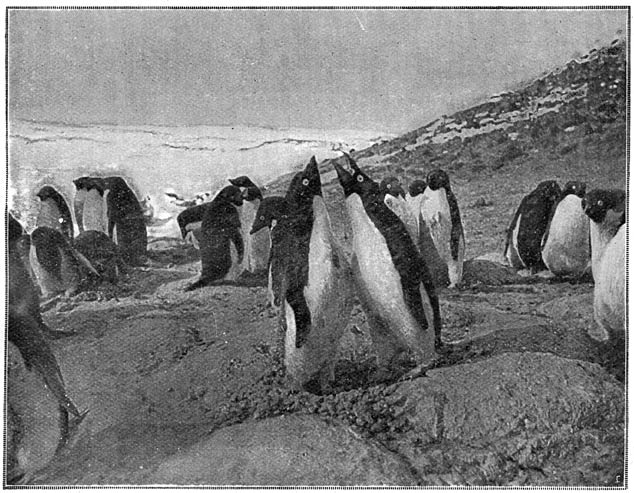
pixel 256 248
pixel 525 233
pixel 271 211
pixel 608 232
pixel 220 227
pixel 57 266
pixel 394 284
pixel 126 223
pixel 38 418
pixel 441 215
pixel 54 212
pixel 316 294
pixel 566 243
pixel 415 197
pixel 90 204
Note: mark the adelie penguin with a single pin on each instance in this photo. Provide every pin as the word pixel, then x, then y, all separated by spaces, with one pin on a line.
pixel 394 197
pixel 90 204
pixel 525 233
pixel 415 200
pixel 566 243
pixel 220 229
pixel 40 415
pixel 316 294
pixel 126 223
pixel 608 233
pixel 58 267
pixel 102 254
pixel 256 255
pixel 441 215
pixel 393 282
pixel 54 212
pixel 271 211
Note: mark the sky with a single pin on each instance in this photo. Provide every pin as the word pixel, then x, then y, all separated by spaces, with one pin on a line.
pixel 389 70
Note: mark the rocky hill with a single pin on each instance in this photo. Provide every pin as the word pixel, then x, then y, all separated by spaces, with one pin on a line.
pixel 566 124
pixel 582 98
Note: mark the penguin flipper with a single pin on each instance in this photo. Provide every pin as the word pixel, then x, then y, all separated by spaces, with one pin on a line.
pixel 509 231
pixel 297 301
pixel 457 231
pixel 25 333
pixel 236 238
pixel 85 262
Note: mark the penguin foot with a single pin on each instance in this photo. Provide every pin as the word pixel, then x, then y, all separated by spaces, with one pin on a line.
pixel 201 283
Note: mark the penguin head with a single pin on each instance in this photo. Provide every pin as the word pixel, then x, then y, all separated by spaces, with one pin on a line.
pixel 114 183
pixel 48 192
pixel 304 186
pixel 417 187
pixel 271 210
pixel 231 194
pixel 437 178
pixel 574 187
pixel 82 182
pixel 96 184
pixel 597 203
pixel 391 185
pixel 549 190
pixel 242 182
pixel 252 193
pixel 357 181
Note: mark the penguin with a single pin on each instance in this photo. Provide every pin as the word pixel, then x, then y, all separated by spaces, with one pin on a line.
pixel 57 266
pixel 393 195
pixel 415 197
pixel 126 224
pixel 316 290
pixel 220 228
pixel 525 233
pixel 41 415
pixel 270 212
pixel 102 254
pixel 90 204
pixel 393 282
pixel 608 234
pixel 566 243
pixel 54 212
pixel 256 246
pixel 441 215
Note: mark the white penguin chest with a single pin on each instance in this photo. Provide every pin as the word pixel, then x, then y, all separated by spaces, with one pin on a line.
pixel 377 270
pixel 320 266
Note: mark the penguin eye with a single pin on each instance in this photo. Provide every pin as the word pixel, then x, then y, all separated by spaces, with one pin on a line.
pixel 305 182
pixel 61 220
pixel 389 185
pixel 600 203
pixel 261 218
pixel 360 178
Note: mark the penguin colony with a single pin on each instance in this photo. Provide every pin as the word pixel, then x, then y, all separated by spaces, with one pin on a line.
pixel 405 246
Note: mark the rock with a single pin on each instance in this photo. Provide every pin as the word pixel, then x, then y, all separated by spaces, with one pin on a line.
pixel 283 451
pixel 482 271
pixel 491 421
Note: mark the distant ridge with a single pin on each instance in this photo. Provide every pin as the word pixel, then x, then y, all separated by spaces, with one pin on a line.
pixel 582 96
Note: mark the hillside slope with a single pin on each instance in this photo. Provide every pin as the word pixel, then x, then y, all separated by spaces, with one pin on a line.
pixel 567 124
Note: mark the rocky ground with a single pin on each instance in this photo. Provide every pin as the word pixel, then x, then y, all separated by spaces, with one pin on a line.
pixel 187 388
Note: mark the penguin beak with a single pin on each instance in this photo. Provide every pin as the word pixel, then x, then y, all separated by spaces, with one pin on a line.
pixel 312 170
pixel 345 178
